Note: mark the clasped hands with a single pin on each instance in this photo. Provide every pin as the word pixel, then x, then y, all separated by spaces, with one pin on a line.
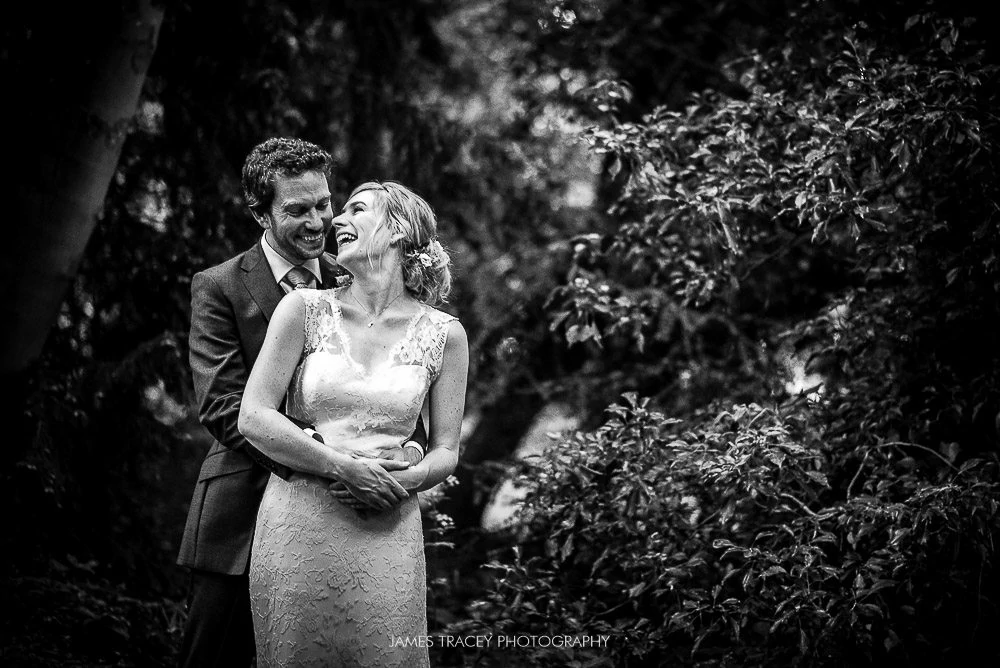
pixel 369 486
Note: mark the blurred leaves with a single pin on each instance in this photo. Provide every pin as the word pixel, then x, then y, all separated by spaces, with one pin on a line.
pixel 839 211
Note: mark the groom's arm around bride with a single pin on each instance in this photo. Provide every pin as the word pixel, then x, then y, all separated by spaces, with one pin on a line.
pixel 285 185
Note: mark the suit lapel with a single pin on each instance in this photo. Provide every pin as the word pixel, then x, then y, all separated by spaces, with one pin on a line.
pixel 259 281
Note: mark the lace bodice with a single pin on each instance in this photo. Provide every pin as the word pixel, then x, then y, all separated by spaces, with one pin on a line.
pixel 368 410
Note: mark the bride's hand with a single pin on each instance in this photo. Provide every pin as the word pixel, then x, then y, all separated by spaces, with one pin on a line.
pixel 403 454
pixel 368 481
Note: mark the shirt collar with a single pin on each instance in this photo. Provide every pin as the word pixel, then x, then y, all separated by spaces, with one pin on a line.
pixel 280 266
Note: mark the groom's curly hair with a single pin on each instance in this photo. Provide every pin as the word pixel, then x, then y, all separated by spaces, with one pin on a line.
pixel 279 156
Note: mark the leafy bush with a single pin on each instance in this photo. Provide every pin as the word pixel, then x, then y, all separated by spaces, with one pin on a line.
pixel 96 510
pixel 842 212
pixel 718 541
pixel 75 613
pixel 859 170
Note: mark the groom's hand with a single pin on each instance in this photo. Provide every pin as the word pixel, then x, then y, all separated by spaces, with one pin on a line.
pixel 394 462
pixel 412 452
pixel 368 482
pixel 338 489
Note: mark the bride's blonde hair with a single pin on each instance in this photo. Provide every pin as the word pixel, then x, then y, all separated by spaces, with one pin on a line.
pixel 403 213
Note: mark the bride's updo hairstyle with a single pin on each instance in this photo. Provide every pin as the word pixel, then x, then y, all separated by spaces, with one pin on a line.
pixel 405 216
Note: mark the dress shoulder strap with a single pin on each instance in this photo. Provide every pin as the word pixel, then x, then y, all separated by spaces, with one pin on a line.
pixel 432 335
pixel 317 311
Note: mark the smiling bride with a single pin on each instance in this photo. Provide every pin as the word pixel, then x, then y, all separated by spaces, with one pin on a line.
pixel 337 571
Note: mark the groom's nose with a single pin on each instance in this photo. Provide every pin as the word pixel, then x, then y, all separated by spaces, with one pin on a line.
pixel 318 220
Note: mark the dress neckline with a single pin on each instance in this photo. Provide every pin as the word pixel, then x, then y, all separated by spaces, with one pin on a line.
pixel 345 339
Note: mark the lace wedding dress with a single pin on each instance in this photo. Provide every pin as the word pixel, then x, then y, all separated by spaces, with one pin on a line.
pixel 330 586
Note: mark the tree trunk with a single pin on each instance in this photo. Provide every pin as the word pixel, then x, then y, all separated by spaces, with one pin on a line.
pixel 73 122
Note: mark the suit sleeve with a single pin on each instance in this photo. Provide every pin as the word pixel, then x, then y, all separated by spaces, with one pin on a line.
pixel 419 435
pixel 219 369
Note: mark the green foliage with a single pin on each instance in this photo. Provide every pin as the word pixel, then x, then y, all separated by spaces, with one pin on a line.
pixel 855 161
pixel 717 540
pixel 95 511
pixel 106 482
pixel 75 613
pixel 840 213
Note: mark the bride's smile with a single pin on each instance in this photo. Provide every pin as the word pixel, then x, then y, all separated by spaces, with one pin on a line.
pixel 359 233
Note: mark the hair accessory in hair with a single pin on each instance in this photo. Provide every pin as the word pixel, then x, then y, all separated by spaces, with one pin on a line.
pixel 421 254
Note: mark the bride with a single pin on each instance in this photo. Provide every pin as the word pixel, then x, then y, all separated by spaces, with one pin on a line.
pixel 337 571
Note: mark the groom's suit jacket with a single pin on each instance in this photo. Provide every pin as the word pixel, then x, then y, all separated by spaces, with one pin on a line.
pixel 231 304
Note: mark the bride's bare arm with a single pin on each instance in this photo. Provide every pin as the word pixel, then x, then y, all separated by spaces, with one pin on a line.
pixel 447 406
pixel 276 436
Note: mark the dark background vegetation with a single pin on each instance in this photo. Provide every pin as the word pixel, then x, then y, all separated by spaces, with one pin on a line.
pixel 751 246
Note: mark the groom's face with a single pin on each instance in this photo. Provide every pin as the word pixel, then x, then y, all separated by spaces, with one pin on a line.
pixel 300 216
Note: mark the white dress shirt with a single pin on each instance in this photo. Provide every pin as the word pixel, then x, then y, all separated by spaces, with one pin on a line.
pixel 280 266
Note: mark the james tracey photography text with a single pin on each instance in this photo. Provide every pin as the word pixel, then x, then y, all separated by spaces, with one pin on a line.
pixel 500 642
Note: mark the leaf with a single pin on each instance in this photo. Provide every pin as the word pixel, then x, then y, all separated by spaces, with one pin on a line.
pixel 901 151
pixel 557 319
pixel 550 547
pixel 818 477
pixel 615 167
pixel 567 548
pixel 879 585
pixel 590 332
pixel 638 589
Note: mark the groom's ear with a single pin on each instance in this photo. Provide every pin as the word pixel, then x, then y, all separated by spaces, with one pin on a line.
pixel 263 218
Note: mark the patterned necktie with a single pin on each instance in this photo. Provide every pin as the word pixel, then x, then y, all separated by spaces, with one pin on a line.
pixel 299 277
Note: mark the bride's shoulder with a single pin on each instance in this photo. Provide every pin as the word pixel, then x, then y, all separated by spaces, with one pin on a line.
pixel 310 303
pixel 437 316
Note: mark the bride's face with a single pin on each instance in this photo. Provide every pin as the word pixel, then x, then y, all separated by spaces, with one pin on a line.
pixel 359 231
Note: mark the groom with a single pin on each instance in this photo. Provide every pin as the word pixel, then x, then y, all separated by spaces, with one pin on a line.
pixel 285 184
